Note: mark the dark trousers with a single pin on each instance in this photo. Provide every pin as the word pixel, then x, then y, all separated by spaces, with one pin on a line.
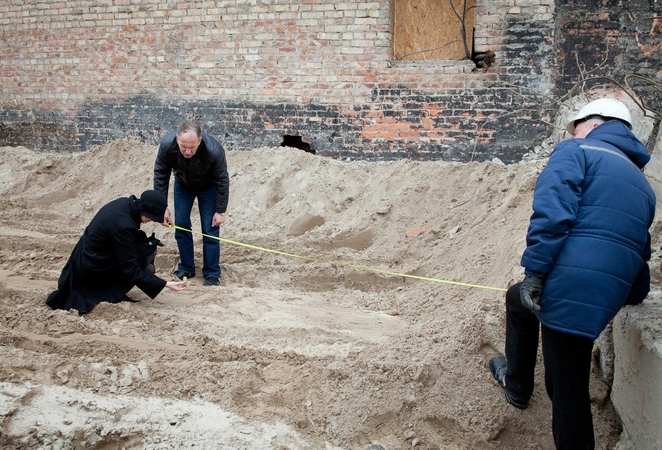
pixel 567 361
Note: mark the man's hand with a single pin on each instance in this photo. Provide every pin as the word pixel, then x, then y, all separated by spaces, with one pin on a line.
pixel 167 218
pixel 530 291
pixel 217 219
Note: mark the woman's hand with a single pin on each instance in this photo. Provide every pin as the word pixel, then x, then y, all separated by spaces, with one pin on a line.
pixel 176 285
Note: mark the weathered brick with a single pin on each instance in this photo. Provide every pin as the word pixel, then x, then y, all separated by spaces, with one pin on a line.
pixel 311 66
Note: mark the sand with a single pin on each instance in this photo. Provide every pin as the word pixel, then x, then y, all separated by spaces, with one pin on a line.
pixel 337 325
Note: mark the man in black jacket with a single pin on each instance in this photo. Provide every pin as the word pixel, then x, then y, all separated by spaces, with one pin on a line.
pixel 198 162
pixel 113 255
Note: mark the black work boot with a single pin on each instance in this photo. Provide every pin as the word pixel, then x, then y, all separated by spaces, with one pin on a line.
pixel 211 281
pixel 181 274
pixel 498 367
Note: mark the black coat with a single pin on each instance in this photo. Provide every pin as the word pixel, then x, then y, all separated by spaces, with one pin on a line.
pixel 206 168
pixel 108 261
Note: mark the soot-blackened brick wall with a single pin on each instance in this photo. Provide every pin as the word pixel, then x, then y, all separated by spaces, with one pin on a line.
pixel 612 44
pixel 76 74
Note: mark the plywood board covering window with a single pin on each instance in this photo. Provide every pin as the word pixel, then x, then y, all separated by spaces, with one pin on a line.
pixel 432 30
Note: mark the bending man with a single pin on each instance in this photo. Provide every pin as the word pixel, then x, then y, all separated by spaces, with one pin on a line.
pixel 198 163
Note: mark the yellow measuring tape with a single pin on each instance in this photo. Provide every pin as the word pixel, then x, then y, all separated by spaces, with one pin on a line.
pixel 349 266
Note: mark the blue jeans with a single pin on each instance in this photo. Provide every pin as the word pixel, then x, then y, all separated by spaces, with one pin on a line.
pixel 211 248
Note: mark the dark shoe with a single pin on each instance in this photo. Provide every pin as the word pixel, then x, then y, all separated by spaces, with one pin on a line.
pixel 211 281
pixel 181 274
pixel 124 298
pixel 498 367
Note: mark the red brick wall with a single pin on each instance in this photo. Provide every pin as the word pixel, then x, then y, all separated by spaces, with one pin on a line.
pixel 79 73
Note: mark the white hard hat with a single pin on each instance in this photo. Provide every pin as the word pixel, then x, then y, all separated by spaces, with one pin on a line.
pixel 609 108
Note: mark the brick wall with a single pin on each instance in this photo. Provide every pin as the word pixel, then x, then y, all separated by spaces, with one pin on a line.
pixel 79 73
pixel 612 44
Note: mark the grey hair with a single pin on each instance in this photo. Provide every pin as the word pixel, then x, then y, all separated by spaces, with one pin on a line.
pixel 185 127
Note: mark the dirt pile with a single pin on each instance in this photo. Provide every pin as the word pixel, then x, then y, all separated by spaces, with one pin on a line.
pixel 301 350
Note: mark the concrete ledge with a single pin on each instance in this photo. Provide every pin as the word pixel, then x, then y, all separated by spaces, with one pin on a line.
pixel 637 387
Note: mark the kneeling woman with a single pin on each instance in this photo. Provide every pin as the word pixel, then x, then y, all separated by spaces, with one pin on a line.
pixel 113 256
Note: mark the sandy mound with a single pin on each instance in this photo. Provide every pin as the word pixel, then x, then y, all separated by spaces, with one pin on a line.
pixel 290 352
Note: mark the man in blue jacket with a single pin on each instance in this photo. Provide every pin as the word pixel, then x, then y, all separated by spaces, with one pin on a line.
pixel 198 162
pixel 586 256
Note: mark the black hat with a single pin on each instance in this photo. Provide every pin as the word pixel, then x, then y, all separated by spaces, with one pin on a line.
pixel 152 204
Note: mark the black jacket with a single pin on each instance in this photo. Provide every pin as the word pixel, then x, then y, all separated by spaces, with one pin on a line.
pixel 206 168
pixel 105 264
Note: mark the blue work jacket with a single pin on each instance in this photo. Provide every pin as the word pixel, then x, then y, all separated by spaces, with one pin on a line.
pixel 588 234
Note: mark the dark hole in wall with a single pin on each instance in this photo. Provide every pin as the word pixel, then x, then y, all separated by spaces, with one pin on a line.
pixel 297 142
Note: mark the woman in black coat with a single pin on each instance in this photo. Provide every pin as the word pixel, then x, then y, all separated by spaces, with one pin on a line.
pixel 113 256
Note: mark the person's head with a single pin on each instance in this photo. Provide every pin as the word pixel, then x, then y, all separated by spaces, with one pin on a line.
pixel 189 136
pixel 596 113
pixel 152 205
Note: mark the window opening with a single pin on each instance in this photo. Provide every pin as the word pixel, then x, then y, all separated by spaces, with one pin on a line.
pixel 433 29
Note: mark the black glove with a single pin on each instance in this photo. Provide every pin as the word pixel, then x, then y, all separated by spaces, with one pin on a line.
pixel 530 291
